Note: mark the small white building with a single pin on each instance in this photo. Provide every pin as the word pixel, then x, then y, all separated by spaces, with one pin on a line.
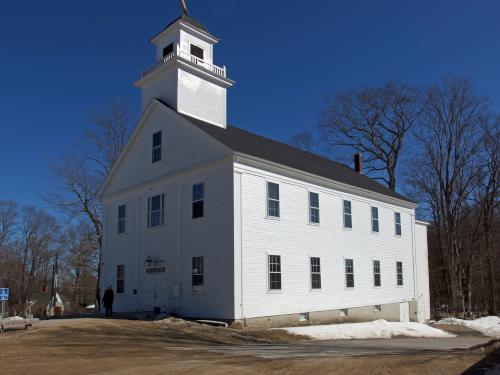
pixel 207 220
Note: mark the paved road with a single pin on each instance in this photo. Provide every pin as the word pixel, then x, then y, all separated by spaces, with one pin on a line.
pixel 352 347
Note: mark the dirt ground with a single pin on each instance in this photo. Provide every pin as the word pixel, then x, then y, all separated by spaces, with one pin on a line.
pixel 98 346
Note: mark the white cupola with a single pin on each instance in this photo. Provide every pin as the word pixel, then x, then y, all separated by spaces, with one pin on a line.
pixel 184 75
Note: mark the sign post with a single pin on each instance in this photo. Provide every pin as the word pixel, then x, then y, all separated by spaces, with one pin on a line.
pixel 4 296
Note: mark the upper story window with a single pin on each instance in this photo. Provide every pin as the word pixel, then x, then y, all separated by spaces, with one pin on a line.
pixel 198 200
pixel 315 273
pixel 375 219
pixel 156 151
pixel 399 273
pixel 273 200
pixel 274 272
pixel 122 217
pixel 397 223
pixel 156 208
pixel 168 49
pixel 376 273
pixel 197 52
pixel 347 214
pixel 349 273
pixel 198 273
pixel 314 208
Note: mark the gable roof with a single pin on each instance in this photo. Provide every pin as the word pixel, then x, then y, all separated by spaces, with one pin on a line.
pixel 248 143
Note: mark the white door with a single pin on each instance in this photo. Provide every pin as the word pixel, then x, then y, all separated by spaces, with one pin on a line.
pixel 155 292
pixel 404 312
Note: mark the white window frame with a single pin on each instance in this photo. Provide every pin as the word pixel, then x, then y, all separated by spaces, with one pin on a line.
pixel 269 272
pixel 397 224
pixel 379 273
pixel 202 199
pixel 313 209
pixel 344 201
pixel 161 210
pixel 311 272
pixel 268 199
pixel 121 220
pixel 157 147
pixel 198 288
pixel 399 273
pixel 373 219
pixel 120 276
pixel 349 273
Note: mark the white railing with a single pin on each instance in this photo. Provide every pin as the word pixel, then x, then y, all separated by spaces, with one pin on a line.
pixel 220 71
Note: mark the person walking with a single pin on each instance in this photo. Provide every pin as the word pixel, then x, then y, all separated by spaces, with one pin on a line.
pixel 107 301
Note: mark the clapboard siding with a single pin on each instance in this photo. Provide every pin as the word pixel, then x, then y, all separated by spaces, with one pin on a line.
pixel 296 240
pixel 201 99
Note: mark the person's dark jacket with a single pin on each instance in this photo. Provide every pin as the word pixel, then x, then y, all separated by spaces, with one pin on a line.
pixel 108 297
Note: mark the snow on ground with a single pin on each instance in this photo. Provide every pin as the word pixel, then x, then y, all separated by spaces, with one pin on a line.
pixel 488 326
pixel 369 330
pixel 14 318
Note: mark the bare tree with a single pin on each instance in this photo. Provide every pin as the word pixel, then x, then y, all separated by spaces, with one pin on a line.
pixel 305 141
pixel 446 173
pixel 79 177
pixel 373 121
pixel 8 213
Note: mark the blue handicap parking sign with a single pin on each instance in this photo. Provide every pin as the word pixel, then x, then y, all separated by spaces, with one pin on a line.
pixel 4 294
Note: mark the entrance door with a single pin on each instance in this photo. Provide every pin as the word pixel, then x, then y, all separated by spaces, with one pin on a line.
pixel 155 290
pixel 404 312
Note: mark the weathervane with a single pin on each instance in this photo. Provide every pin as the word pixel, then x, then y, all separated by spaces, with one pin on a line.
pixel 184 8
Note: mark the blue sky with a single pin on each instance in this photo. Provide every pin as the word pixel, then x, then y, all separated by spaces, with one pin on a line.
pixel 62 60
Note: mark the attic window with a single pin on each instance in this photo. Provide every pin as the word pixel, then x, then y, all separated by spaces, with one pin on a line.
pixel 168 50
pixel 197 52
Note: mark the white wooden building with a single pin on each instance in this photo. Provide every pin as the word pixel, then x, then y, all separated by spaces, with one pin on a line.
pixel 207 220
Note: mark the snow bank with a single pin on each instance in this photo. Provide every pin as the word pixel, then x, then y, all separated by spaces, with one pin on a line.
pixel 488 326
pixel 369 330
pixel 14 318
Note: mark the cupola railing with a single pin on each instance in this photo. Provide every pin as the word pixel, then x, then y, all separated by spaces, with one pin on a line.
pixel 220 71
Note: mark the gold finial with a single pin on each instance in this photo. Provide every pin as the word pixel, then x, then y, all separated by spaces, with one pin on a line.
pixel 184 7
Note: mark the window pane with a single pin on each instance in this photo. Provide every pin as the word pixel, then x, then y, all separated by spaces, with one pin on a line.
pixel 198 191
pixel 168 49
pixel 273 208
pixel 157 139
pixel 314 200
pixel 347 215
pixel 374 213
pixel 197 209
pixel 349 270
pixel 347 207
pixel 121 211
pixel 197 51
pixel 197 277
pixel 120 278
pixel 273 191
pixel 274 272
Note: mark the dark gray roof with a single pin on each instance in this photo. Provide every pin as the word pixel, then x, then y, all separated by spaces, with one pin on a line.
pixel 248 143
pixel 187 19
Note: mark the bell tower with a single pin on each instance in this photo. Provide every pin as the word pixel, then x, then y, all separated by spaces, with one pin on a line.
pixel 184 75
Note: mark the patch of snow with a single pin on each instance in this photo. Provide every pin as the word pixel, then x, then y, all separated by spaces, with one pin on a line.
pixel 370 330
pixel 488 325
pixel 90 307
pixel 14 318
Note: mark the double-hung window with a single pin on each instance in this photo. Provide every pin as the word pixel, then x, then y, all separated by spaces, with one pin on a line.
pixel 349 273
pixel 375 227
pixel 273 200
pixel 156 210
pixel 198 200
pixel 313 208
pixel 274 272
pixel 376 273
pixel 347 214
pixel 197 277
pixel 120 278
pixel 399 273
pixel 197 52
pixel 122 218
pixel 397 223
pixel 315 273
pixel 156 150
